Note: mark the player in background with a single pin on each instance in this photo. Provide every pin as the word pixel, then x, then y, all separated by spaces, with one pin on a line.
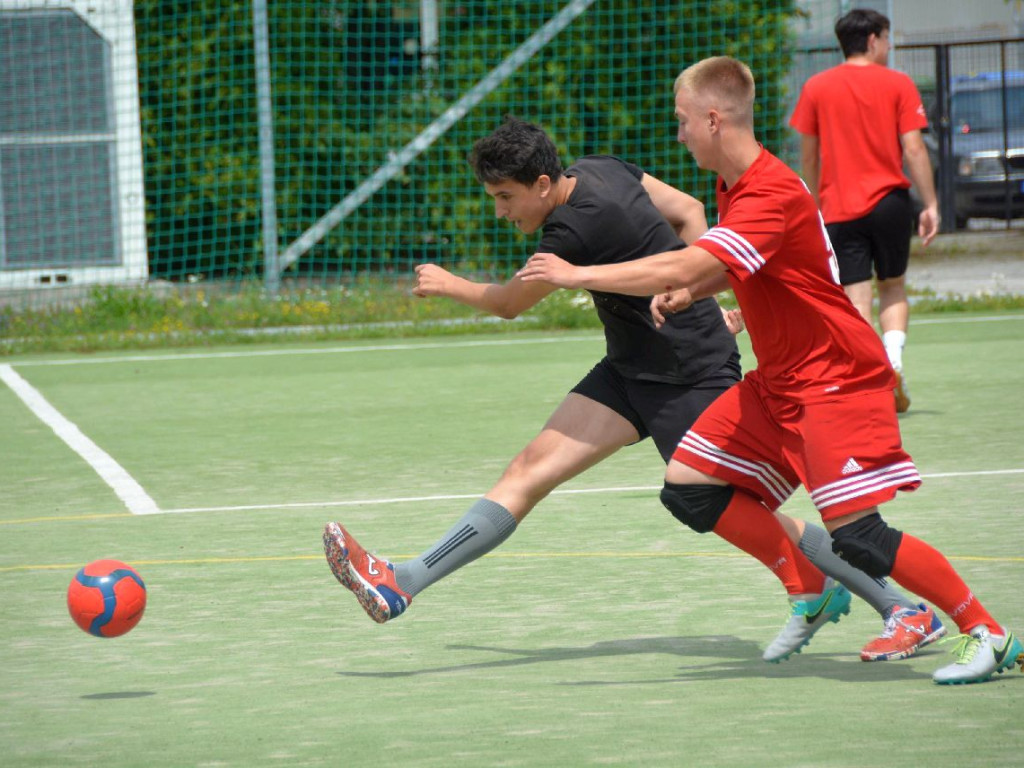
pixel 860 123
pixel 650 383
pixel 818 410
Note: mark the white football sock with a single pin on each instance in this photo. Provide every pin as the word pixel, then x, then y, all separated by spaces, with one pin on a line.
pixel 894 341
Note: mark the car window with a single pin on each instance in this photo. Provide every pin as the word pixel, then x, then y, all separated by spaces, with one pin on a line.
pixel 974 111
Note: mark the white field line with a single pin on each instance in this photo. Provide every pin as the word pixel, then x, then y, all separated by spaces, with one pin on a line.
pixel 463 496
pixel 139 502
pixel 112 473
pixel 315 351
pixel 588 338
pixel 952 319
pixel 124 485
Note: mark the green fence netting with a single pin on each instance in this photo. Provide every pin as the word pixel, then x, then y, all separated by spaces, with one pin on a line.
pixel 373 108
pixel 352 85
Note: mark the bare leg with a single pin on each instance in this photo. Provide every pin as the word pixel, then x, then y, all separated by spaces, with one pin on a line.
pixel 893 307
pixel 862 297
pixel 580 433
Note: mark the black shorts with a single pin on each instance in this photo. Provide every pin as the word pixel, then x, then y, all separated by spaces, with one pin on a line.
pixel 879 241
pixel 660 411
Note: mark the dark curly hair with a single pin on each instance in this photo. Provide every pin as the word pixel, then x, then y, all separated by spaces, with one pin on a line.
pixel 515 150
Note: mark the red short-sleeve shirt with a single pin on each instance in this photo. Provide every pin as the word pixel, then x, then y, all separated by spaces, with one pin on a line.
pixel 858 113
pixel 811 343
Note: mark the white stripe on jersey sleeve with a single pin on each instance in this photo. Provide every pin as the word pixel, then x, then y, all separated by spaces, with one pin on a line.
pixel 738 246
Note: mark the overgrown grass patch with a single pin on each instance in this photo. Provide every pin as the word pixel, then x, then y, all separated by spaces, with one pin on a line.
pixel 173 315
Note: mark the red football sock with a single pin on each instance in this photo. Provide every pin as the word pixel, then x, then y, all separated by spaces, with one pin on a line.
pixel 923 569
pixel 746 524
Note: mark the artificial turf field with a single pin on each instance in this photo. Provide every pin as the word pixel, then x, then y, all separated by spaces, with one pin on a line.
pixel 601 633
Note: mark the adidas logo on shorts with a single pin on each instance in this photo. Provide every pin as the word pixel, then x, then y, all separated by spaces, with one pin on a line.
pixel 851 466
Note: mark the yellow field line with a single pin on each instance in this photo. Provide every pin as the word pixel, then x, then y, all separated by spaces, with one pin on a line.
pixel 65 518
pixel 509 556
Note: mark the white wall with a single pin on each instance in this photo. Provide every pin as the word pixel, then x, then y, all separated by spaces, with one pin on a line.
pixel 920 20
pixel 916 21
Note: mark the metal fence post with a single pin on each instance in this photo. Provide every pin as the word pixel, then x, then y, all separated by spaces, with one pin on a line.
pixel 1005 116
pixel 264 107
pixel 946 171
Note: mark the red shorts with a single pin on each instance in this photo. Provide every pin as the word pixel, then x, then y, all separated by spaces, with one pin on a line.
pixel 847 452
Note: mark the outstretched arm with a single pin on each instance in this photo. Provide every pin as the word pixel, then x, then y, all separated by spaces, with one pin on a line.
pixel 507 300
pixel 683 212
pixel 692 268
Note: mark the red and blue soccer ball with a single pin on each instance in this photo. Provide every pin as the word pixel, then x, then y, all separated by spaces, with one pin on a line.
pixel 106 598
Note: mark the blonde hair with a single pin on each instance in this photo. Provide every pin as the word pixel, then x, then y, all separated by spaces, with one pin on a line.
pixel 722 83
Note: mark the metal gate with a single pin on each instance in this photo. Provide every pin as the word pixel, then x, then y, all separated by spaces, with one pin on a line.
pixel 974 95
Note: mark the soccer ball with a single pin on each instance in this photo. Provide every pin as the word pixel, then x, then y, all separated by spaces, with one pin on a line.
pixel 106 598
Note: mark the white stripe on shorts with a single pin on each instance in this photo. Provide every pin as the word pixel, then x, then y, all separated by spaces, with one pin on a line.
pixel 865 484
pixel 765 474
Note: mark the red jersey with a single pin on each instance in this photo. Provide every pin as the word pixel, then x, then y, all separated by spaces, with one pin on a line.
pixel 811 343
pixel 858 113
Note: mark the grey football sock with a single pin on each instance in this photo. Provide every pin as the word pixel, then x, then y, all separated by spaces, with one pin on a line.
pixel 878 593
pixel 485 525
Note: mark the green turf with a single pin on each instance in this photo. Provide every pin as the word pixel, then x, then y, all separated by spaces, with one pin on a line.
pixel 601 634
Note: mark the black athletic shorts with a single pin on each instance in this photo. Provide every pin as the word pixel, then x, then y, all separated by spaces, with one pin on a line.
pixel 879 241
pixel 660 411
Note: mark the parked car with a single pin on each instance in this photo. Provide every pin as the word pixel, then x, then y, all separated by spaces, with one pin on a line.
pixel 986 171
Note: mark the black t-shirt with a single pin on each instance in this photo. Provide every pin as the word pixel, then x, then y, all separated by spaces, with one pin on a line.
pixel 610 218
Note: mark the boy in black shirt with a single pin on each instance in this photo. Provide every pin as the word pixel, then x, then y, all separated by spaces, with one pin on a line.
pixel 651 383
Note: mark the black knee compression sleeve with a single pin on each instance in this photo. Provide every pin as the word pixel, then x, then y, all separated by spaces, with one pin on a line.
pixel 869 544
pixel 698 506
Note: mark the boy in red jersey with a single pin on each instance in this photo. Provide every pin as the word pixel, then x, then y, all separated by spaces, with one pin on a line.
pixel 819 409
pixel 860 122
pixel 652 382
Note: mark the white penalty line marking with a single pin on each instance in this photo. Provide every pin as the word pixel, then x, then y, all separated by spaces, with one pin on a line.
pixel 463 496
pixel 112 473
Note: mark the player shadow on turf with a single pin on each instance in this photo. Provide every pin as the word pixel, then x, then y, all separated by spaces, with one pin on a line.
pixel 735 658
pixel 837 667
pixel 916 412
pixel 707 645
